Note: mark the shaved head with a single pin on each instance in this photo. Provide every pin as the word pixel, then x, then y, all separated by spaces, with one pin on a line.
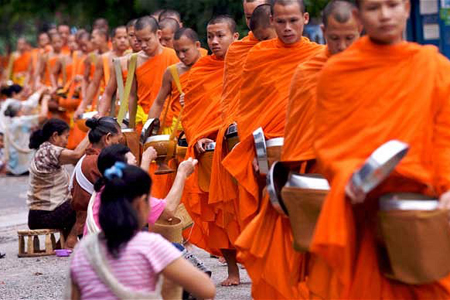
pixel 224 19
pixel 187 32
pixel 170 13
pixel 300 3
pixel 340 10
pixel 260 17
pixel 147 22
pixel 169 23
pixel 131 23
pixel 101 23
pixel 249 7
pixel 114 31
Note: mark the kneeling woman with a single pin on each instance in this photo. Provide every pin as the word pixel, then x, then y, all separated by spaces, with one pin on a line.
pixel 48 196
pixel 123 261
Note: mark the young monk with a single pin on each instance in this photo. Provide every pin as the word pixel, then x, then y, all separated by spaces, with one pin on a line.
pixel 43 42
pixel 19 62
pixel 381 88
pixel 187 47
pixel 152 62
pixel 64 32
pixel 104 63
pixel 273 249
pixel 168 28
pixel 223 190
pixel 48 61
pixel 201 121
pixel 263 101
pixel 111 88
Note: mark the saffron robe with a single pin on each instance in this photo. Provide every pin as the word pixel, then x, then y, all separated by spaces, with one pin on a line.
pixel 368 95
pixel 201 119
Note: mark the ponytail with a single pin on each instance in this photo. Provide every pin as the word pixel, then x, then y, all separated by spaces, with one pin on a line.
pixel 118 218
pixel 41 136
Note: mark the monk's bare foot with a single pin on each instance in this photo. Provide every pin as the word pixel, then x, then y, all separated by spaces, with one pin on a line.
pixel 232 280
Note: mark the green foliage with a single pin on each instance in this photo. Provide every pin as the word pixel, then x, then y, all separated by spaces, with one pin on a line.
pixel 27 17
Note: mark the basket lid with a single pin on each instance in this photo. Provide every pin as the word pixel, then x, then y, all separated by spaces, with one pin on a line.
pixel 151 127
pixel 276 179
pixel 261 151
pixel 407 201
pixel 308 181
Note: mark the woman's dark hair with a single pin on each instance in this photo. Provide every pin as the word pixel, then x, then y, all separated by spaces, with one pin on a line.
pixel 107 158
pixel 118 219
pixel 13 109
pixel 10 90
pixel 41 136
pixel 101 127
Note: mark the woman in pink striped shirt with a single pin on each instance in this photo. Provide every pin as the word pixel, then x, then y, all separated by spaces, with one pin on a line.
pixel 122 261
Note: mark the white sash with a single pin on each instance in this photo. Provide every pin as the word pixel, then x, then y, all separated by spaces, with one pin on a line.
pixel 91 226
pixel 81 179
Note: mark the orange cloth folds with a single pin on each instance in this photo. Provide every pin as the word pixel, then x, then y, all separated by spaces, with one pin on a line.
pixel 367 96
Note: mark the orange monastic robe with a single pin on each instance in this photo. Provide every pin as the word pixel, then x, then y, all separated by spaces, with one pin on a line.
pixel 273 255
pixel 263 102
pixel 173 101
pixel 149 80
pixel 20 67
pixel 149 77
pixel 367 96
pixel 201 119
pixel 223 192
pixel 203 52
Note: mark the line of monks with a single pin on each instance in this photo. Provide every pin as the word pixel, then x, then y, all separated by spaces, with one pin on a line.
pixel 333 105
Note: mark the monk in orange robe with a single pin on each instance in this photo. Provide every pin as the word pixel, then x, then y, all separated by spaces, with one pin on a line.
pixel 44 46
pixel 103 65
pixel 104 106
pixel 201 121
pixel 271 253
pixel 152 63
pixel 168 28
pixel 19 62
pixel 223 190
pixel 64 32
pixel 48 60
pixel 263 103
pixel 381 88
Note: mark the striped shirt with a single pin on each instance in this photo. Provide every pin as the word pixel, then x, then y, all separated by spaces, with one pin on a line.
pixel 137 268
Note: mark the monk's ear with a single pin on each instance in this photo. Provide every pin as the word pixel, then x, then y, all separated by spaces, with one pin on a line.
pixel 322 27
pixel 357 16
pixel 306 17
pixel 236 36
pixel 197 44
pixel 158 34
pixel 408 7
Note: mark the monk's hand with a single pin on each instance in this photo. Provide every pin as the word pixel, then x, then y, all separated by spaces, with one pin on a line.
pixel 78 113
pixel 255 165
pixel 182 99
pixel 444 201
pixel 187 167
pixel 355 194
pixel 201 144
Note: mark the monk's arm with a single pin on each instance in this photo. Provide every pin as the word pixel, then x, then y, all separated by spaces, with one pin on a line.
pixel 91 91
pixel 40 69
pixel 72 156
pixel 166 88
pixel 105 102
pixel 55 73
pixel 86 77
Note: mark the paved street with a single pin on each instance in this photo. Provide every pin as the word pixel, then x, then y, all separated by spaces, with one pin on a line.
pixel 44 277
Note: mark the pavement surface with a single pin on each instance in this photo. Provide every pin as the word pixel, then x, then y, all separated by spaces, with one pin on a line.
pixel 45 277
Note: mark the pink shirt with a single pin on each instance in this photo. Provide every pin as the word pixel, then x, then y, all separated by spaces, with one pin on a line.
pixel 137 268
pixel 156 209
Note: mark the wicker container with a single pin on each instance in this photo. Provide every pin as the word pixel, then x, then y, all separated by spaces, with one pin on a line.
pixel 205 161
pixel 416 237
